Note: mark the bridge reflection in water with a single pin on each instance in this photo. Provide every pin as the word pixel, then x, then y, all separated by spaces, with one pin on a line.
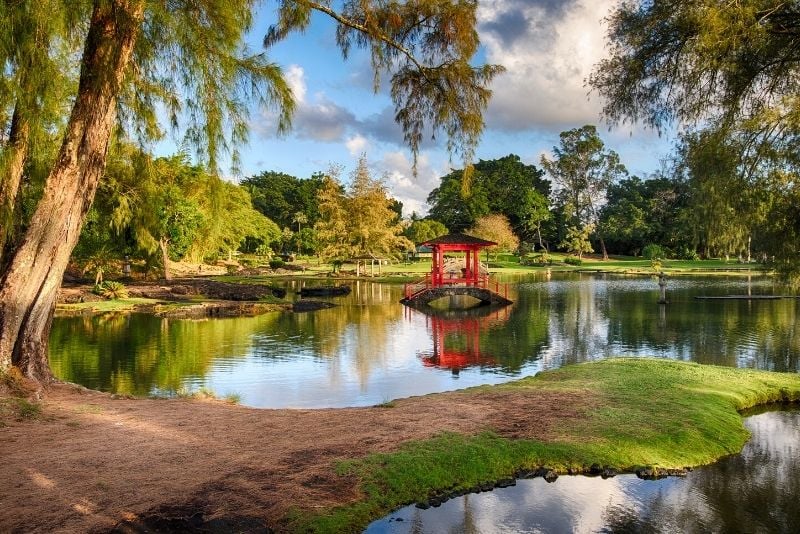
pixel 456 335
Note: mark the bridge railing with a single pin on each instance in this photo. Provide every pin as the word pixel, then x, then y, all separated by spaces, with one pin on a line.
pixel 492 284
pixel 416 287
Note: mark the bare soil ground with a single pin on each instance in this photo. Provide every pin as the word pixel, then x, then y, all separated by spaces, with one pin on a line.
pixel 90 461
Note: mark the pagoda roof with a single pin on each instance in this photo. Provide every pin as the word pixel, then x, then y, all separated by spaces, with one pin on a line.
pixel 458 239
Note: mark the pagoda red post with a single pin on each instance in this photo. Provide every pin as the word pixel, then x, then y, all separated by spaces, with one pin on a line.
pixel 467 244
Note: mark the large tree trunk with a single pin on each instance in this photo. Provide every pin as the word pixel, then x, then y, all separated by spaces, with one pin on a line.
pixel 34 272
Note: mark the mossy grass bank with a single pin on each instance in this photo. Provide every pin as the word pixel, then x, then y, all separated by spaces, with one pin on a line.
pixel 643 413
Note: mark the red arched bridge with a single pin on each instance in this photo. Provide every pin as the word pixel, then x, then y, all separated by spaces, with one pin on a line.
pixel 456 276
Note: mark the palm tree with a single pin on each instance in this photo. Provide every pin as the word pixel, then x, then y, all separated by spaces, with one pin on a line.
pixel 299 218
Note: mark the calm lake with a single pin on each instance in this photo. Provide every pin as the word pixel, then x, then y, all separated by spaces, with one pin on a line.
pixel 371 349
pixel 755 491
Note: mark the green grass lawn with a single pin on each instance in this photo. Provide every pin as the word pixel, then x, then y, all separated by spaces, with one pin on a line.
pixel 404 271
pixel 646 412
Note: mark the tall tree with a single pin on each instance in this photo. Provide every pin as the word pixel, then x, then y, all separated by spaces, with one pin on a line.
pixel 504 185
pixel 281 196
pixel 333 230
pixel 582 170
pixel 723 208
pixel 733 66
pixel 359 221
pixel 189 52
pixel 170 206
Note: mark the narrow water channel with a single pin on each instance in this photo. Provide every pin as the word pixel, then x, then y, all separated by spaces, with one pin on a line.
pixel 370 348
pixel 755 491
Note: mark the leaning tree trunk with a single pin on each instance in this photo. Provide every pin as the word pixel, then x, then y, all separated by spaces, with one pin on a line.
pixel 603 247
pixel 163 244
pixel 34 273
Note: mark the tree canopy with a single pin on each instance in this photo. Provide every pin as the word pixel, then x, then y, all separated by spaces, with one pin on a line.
pixel 281 196
pixel 358 220
pixel 505 185
pixel 187 58
pixel 495 227
pixel 674 60
pixel 734 69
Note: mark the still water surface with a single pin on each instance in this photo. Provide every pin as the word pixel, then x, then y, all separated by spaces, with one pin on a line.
pixel 371 349
pixel 755 491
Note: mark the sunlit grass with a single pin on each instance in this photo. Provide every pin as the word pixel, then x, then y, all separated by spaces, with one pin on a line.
pixel 645 412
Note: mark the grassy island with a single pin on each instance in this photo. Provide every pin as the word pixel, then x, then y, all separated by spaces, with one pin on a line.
pixel 628 414
pixel 336 470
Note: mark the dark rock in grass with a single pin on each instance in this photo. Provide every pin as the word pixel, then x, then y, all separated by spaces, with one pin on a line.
pixel 678 472
pixel 182 290
pixel 650 473
pixel 546 473
pixel 278 292
pixel 325 291
pixel 595 469
pixel 505 483
pixel 486 486
pixel 423 505
pixel 525 473
pixel 550 476
pixel 574 471
pixel 608 472
pixel 540 472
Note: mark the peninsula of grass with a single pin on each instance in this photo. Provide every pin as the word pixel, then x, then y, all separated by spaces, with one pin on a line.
pixel 629 413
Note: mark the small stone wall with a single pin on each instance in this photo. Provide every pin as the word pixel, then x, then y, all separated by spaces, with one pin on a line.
pixel 486 296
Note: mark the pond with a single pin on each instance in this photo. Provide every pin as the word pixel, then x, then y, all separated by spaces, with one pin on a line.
pixel 370 349
pixel 755 491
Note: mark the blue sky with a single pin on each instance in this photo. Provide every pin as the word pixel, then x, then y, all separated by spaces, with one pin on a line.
pixel 548 48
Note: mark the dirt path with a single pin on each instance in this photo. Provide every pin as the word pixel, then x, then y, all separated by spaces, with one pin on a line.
pixel 90 460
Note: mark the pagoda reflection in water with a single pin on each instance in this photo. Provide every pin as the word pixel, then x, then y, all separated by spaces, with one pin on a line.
pixel 456 336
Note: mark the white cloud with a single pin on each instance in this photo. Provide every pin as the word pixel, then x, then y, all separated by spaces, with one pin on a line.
pixel 295 77
pixel 411 190
pixel 356 145
pixel 548 49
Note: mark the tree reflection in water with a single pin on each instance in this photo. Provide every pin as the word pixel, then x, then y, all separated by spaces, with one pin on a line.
pixel 370 349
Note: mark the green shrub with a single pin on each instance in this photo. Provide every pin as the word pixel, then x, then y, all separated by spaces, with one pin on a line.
pixel 653 252
pixel 689 254
pixel 111 290
pixel 276 263
pixel 573 260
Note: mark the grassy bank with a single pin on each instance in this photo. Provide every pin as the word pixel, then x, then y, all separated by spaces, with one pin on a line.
pixel 644 412
pixel 508 264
